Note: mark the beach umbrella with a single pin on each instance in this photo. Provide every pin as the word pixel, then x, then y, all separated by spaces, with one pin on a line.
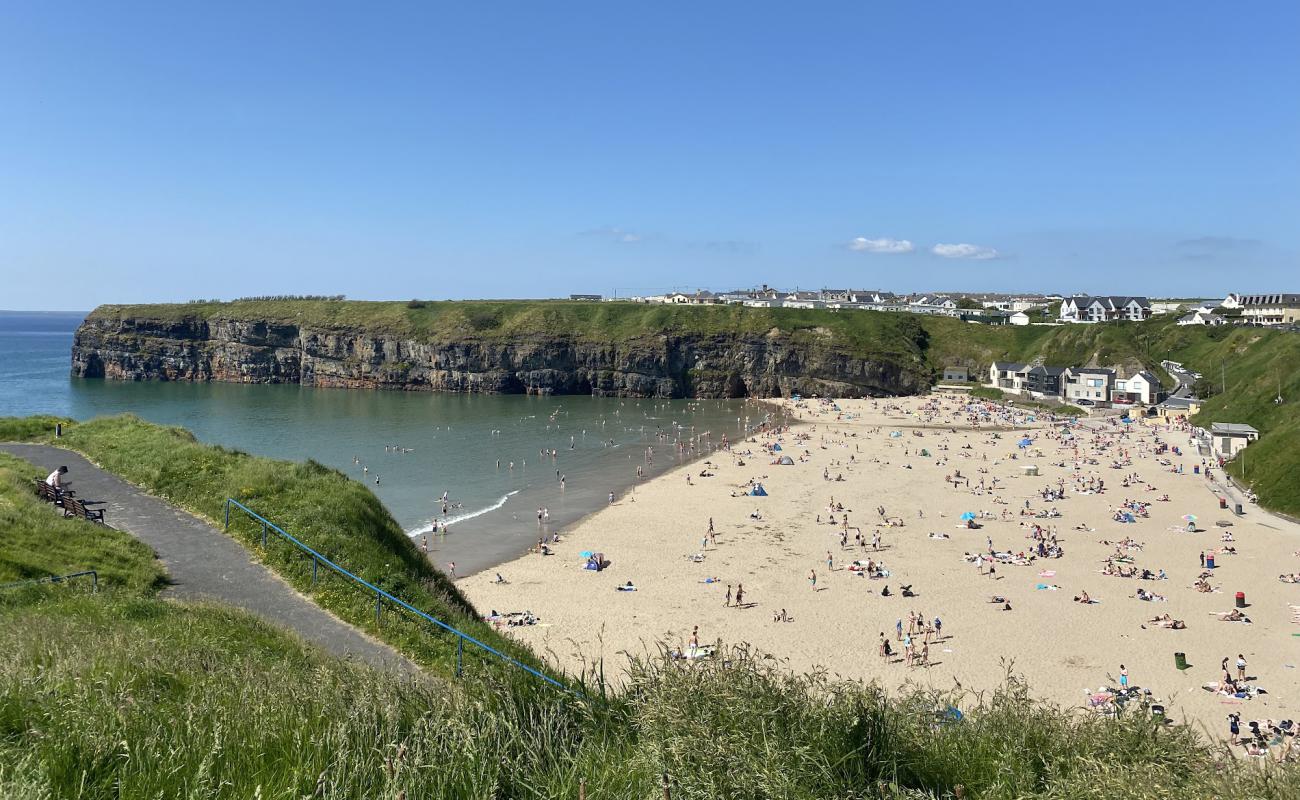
pixel 1189 518
pixel 968 516
pixel 585 554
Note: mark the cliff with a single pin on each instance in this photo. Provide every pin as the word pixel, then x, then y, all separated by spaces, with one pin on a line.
pixel 560 348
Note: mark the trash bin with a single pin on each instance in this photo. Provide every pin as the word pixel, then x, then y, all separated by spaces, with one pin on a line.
pixel 1223 502
pixel 1180 660
pixel 1209 562
pixel 1241 599
pixel 1239 509
pixel 1196 469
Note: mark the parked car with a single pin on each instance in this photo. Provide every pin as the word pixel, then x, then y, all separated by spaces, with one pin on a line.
pixel 1086 403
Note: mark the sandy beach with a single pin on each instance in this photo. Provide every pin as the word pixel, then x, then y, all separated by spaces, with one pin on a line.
pixel 927 461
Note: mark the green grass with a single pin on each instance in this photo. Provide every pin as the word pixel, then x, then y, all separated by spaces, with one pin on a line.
pixel 111 697
pixel 331 513
pixel 121 695
pixel 36 542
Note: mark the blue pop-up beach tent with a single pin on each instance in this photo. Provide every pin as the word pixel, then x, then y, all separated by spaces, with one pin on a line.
pixel 758 491
pixel 968 516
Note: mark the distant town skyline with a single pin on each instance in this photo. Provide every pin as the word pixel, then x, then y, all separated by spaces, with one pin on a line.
pixel 158 154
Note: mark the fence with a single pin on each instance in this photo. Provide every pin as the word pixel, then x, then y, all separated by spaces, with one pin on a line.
pixel 94 580
pixel 317 560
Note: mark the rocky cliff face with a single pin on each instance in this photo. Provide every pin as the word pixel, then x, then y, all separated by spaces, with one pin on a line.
pixel 652 365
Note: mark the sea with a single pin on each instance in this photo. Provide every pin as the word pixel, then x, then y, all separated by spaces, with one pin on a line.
pixel 481 466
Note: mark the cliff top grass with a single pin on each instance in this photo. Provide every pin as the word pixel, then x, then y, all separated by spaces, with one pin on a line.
pixel 606 322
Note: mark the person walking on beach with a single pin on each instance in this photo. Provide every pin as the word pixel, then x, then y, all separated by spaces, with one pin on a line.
pixel 740 594
pixel 830 562
pixel 1123 676
pixel 898 629
pixel 695 641
pixel 1241 667
pixel 727 601
pixel 812 578
pixel 451 568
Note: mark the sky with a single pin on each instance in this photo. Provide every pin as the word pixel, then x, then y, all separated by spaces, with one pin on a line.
pixel 177 150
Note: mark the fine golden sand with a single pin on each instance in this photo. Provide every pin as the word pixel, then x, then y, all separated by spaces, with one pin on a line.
pixel 1062 647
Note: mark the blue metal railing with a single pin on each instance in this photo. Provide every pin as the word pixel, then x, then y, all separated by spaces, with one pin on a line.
pixel 380 596
pixel 94 580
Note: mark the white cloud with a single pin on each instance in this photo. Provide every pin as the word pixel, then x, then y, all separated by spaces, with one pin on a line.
pixel 973 251
pixel 615 235
pixel 882 245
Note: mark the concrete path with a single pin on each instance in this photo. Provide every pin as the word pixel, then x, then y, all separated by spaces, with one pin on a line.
pixel 202 562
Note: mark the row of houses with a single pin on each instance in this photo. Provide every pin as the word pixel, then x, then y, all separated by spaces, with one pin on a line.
pixel 1090 386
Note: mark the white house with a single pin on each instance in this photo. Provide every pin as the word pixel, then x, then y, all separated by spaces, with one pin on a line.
pixel 1104 309
pixel 1201 317
pixel 1019 318
pixel 1142 387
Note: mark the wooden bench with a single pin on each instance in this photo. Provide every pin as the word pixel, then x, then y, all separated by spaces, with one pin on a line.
pixel 72 507
pixel 47 492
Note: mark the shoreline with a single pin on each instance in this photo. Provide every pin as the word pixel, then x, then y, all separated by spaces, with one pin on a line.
pixel 489 538
pixel 1062 648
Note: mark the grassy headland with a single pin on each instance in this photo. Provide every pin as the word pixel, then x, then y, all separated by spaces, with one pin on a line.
pixel 1255 363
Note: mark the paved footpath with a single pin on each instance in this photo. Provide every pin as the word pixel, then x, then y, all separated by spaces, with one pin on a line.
pixel 202 562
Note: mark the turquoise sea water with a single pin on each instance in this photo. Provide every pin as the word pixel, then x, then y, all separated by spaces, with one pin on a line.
pixel 451 443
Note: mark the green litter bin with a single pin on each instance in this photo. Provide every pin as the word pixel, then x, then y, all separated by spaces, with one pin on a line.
pixel 1180 660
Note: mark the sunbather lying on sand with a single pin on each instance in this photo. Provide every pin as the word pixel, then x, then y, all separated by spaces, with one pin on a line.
pixel 1234 615
pixel 1166 621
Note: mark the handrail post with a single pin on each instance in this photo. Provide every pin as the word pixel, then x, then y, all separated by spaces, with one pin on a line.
pixel 94 581
pixel 264 535
pixel 460 654
pixel 227 514
pixel 379 603
pixel 314 563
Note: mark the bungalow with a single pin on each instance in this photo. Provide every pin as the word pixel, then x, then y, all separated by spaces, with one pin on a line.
pixel 1230 438
pixel 1200 317
pixel 1178 408
pixel 1104 309
pixel 1019 318
pixel 956 374
pixel 1088 385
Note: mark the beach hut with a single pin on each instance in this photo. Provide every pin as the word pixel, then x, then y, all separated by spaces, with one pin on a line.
pixel 786 461
pixel 758 491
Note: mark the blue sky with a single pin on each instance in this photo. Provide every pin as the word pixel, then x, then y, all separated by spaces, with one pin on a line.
pixel 170 150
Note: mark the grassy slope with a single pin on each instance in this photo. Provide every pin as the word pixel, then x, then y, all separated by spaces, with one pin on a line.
pixel 120 695
pixel 337 516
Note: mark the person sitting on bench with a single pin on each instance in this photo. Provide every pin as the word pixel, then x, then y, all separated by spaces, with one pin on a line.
pixel 55 479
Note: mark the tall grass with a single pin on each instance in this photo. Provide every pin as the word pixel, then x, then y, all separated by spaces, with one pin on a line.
pixel 104 697
pixel 337 516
